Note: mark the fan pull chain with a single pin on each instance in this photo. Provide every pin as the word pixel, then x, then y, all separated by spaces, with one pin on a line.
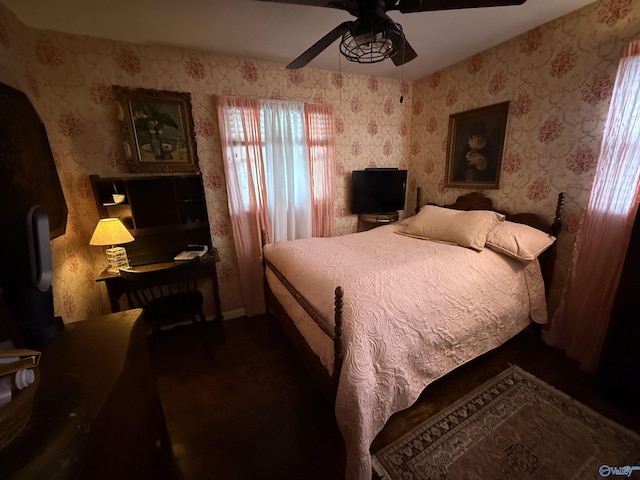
pixel 340 74
pixel 401 83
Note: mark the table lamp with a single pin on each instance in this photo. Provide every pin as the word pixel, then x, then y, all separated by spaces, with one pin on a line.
pixel 111 231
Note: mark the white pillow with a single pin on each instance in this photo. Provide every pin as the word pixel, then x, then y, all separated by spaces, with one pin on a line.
pixel 519 241
pixel 459 227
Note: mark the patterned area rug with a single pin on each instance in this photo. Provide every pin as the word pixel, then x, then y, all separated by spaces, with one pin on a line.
pixel 513 427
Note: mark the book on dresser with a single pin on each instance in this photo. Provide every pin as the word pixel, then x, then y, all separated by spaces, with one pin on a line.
pixel 13 360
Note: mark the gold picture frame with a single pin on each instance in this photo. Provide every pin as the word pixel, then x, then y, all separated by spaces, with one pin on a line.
pixel 474 147
pixel 157 129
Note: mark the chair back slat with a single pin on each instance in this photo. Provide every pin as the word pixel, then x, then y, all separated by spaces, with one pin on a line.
pixel 165 292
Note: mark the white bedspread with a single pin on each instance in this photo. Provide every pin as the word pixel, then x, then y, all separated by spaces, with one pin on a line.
pixel 413 311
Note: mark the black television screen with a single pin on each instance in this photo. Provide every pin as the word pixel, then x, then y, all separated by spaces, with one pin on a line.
pixel 378 190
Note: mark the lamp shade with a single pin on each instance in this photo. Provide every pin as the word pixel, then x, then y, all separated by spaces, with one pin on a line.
pixel 110 231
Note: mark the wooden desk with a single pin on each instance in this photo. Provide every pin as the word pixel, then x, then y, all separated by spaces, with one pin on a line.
pixel 115 284
pixel 107 357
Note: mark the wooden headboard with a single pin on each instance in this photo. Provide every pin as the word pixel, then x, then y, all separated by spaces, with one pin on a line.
pixel 477 201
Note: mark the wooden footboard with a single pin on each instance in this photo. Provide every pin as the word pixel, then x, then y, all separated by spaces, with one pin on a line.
pixel 328 383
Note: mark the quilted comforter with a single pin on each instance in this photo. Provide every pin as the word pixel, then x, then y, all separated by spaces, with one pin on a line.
pixel 414 310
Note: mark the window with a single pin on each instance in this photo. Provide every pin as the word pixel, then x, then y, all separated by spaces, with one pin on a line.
pixel 279 162
pixel 285 159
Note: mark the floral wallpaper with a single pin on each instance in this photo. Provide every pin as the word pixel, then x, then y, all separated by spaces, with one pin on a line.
pixel 68 79
pixel 558 78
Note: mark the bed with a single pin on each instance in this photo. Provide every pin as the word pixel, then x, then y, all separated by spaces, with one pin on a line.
pixel 378 315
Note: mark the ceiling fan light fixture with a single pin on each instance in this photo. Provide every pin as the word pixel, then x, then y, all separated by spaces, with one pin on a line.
pixel 367 47
pixel 373 35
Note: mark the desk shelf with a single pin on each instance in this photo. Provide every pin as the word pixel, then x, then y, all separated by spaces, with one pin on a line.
pixel 164 212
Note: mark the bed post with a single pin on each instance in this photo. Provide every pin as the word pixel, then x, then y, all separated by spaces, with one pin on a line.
pixel 557 221
pixel 548 258
pixel 265 286
pixel 263 242
pixel 418 199
pixel 337 338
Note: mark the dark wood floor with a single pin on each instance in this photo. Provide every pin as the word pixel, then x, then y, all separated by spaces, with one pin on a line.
pixel 254 413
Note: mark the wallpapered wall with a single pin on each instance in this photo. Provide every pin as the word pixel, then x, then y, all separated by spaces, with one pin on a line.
pixel 558 78
pixel 68 79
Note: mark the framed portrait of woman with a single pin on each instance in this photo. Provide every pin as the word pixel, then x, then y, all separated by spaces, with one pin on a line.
pixel 474 147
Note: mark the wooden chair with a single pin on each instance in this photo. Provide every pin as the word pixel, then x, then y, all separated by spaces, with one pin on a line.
pixel 168 296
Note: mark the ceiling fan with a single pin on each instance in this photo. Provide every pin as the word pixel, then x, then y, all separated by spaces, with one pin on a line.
pixel 373 36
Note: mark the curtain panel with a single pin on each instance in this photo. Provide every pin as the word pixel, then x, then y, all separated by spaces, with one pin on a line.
pixel 320 125
pixel 580 323
pixel 241 140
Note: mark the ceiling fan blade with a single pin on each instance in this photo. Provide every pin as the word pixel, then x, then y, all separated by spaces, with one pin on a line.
pixel 403 56
pixel 340 4
pixel 409 6
pixel 320 45
pixel 405 52
pixel 313 3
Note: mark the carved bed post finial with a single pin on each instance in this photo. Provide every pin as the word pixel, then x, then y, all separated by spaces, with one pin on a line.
pixel 556 226
pixel 263 242
pixel 265 285
pixel 418 198
pixel 337 339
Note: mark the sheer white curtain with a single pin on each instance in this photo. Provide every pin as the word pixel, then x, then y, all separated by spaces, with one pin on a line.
pixel 580 323
pixel 286 162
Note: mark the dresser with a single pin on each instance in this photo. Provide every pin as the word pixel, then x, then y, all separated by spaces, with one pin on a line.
pixel 98 398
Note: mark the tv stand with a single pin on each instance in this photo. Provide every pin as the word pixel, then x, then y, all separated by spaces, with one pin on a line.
pixel 367 221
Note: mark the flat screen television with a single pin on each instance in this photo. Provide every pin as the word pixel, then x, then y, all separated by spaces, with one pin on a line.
pixel 378 190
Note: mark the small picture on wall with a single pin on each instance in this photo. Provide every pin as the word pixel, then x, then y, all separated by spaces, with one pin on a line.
pixel 474 147
pixel 158 130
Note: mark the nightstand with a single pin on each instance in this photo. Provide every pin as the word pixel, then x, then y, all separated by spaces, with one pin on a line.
pixel 367 221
